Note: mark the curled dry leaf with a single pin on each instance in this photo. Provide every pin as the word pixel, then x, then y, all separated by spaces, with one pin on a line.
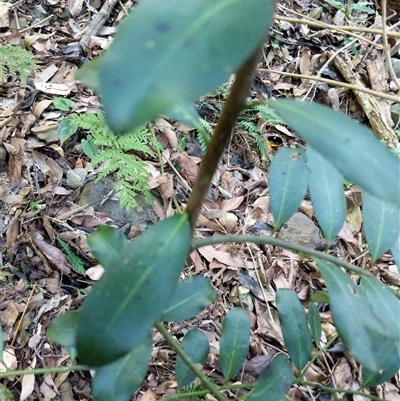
pixel 9 360
pixel 28 383
pixel 95 272
pixel 172 138
pixel 52 253
pixel 189 169
pixel 229 222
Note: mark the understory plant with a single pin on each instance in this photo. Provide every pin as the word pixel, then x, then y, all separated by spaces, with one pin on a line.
pixel 164 55
pixel 117 154
pixel 15 60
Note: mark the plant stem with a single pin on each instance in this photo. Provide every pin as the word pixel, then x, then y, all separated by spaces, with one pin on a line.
pixel 41 371
pixel 214 390
pixel 222 135
pixel 204 392
pixel 337 390
pixel 303 250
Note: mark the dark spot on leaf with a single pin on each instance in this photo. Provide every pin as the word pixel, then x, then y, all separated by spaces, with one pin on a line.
pixel 162 26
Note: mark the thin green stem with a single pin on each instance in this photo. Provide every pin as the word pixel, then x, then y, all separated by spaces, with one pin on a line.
pixel 204 392
pixel 337 390
pixel 307 252
pixel 222 135
pixel 214 390
pixel 42 371
pixel 317 354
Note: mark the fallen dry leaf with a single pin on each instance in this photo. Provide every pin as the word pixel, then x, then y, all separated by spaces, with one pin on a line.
pixel 52 253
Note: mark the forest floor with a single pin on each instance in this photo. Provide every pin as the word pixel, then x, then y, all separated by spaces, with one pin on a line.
pixel 46 266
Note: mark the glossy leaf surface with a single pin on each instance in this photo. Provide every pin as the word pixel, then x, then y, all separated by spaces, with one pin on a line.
pixel 234 344
pixel 170 52
pixel 195 345
pixel 119 380
pixel 366 318
pixel 190 298
pixel 314 321
pixel 137 285
pixel 326 190
pixel 381 222
pixel 62 330
pixel 274 381
pixel 288 176
pixel 295 330
pixel 351 147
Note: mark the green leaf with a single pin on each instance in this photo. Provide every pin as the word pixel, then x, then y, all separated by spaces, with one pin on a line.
pixel 395 249
pixel 384 306
pixel 366 318
pixel 190 298
pixel 234 344
pixel 295 330
pixel 351 147
pixel 195 345
pixel 88 74
pixel 66 129
pixel 314 321
pixel 64 104
pixel 62 331
pixel 319 296
pixel 106 244
pixel 288 176
pixel 326 189
pixel 161 46
pixel 89 147
pixel 138 283
pixel 381 222
pixel 274 381
pixel 119 380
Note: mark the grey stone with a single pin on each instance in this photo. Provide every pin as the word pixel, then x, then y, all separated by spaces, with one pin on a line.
pixel 301 230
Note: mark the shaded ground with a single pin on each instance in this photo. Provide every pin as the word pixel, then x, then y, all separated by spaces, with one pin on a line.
pixel 40 207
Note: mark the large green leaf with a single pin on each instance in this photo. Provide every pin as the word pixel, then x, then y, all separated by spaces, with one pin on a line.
pixel 274 381
pixel 385 307
pixel 366 318
pixel 170 52
pixel 288 176
pixel 137 285
pixel 381 222
pixel 62 330
pixel 351 147
pixel 234 344
pixel 106 244
pixel 295 330
pixel 196 347
pixel 314 321
pixel 326 189
pixel 119 380
pixel 190 298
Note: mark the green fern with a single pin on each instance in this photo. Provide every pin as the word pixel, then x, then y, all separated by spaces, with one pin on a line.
pixel 74 260
pixel 15 60
pixel 204 134
pixel 114 153
pixel 252 128
pixel 267 114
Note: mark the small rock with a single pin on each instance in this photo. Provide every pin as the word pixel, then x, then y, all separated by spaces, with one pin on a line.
pixel 75 178
pixel 301 230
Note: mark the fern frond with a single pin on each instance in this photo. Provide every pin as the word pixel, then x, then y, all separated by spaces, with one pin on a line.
pixel 204 135
pixel 15 60
pixel 73 259
pixel 116 156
